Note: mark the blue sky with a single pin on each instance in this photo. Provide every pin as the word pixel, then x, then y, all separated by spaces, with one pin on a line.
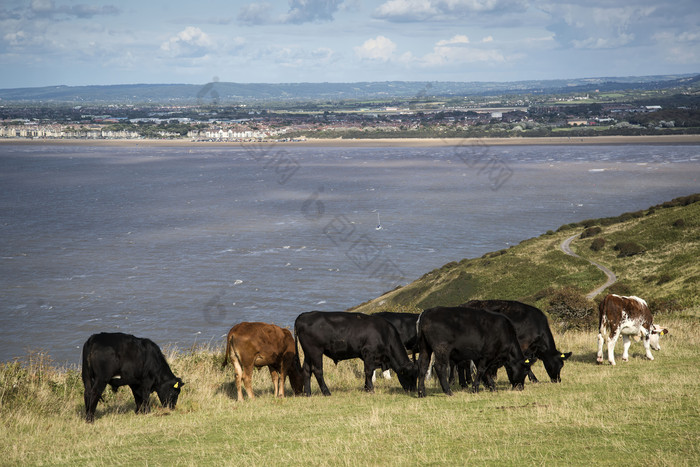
pixel 52 42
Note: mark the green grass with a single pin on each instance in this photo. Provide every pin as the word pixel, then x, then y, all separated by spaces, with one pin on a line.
pixel 628 414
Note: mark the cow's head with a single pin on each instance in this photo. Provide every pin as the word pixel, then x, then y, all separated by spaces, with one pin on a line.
pixel 553 363
pixel 169 391
pixel 656 332
pixel 296 377
pixel 408 377
pixel 517 372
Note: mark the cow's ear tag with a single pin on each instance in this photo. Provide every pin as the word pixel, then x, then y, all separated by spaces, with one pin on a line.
pixel 563 356
pixel 661 333
pixel 177 384
pixel 527 360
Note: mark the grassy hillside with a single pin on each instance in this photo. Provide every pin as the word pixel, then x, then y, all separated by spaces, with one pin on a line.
pixel 663 269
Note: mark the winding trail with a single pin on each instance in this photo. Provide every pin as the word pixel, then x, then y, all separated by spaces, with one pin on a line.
pixel 566 248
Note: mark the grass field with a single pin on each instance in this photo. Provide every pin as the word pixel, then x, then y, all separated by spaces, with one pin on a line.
pixel 636 413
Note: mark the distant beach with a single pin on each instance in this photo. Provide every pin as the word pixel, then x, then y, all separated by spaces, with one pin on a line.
pixel 370 142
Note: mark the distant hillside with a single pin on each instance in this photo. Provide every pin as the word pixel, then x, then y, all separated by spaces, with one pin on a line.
pixel 653 252
pixel 225 92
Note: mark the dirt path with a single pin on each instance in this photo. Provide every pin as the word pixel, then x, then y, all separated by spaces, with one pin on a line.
pixel 566 248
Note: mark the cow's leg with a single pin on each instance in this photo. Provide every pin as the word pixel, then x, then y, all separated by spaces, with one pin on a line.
pixel 626 342
pixel 141 397
pixel 315 365
pixel 423 365
pixel 92 397
pixel 306 375
pixel 601 337
pixel 318 373
pixel 531 375
pixel 612 340
pixel 442 367
pixel 488 380
pixel 369 373
pixel 600 347
pixel 239 378
pixel 277 382
pixel 247 381
pixel 647 346
pixel 480 376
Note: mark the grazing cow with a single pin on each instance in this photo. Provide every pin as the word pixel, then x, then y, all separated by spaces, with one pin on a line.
pixel 458 334
pixel 121 359
pixel 629 317
pixel 251 345
pixel 534 334
pixel 342 336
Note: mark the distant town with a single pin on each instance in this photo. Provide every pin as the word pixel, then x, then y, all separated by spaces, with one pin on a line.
pixel 647 109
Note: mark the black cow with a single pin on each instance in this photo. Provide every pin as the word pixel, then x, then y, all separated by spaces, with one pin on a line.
pixel 121 359
pixel 341 336
pixel 534 335
pixel 405 323
pixel 458 334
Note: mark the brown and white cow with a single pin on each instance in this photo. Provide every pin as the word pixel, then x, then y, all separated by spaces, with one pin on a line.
pixel 631 318
pixel 251 345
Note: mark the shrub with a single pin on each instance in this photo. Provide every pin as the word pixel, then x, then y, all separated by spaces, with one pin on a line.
pixel 664 305
pixel 572 309
pixel 663 278
pixel 591 231
pixel 620 288
pixel 628 248
pixel 679 223
pixel 597 244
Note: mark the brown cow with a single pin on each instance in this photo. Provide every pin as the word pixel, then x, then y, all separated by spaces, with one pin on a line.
pixel 629 317
pixel 251 345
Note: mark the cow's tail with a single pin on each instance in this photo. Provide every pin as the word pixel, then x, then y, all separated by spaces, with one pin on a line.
pixel 297 361
pixel 601 315
pixel 86 370
pixel 228 349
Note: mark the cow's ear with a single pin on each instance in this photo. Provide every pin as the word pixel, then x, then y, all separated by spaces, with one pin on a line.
pixel 566 355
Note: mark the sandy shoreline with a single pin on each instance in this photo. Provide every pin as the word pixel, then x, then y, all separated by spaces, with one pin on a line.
pixel 386 142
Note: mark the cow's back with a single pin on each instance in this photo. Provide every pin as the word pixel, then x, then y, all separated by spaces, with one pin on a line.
pixel 531 324
pixel 615 309
pixel 474 331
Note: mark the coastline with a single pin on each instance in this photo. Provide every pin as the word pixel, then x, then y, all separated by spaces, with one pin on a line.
pixel 379 142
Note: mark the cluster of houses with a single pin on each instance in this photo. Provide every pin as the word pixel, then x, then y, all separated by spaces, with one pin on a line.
pixel 59 131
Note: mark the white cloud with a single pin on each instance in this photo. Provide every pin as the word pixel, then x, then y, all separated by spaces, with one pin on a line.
pixel 410 10
pixel 458 50
pixel 191 42
pixel 444 10
pixel 458 39
pixel 604 42
pixel 379 48
pixel 304 11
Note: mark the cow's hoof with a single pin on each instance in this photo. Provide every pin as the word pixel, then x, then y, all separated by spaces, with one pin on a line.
pixel 600 359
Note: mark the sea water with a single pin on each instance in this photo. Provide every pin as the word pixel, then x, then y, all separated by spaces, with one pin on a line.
pixel 178 244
